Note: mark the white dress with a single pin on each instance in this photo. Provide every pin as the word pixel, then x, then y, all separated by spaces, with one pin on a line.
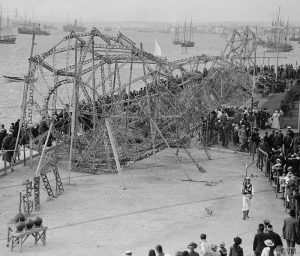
pixel 275 122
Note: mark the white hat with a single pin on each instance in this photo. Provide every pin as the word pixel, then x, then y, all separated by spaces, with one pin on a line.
pixel 247 178
pixel 128 252
pixel 269 243
pixel 289 127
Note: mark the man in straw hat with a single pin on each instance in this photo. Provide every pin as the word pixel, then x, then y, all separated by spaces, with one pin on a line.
pixel 192 246
pixel 269 249
pixel 247 192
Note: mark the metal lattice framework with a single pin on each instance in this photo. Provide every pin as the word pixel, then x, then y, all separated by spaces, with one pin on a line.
pixel 111 103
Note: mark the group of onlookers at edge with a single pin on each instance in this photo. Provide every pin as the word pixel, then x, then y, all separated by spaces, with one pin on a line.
pixel 266 242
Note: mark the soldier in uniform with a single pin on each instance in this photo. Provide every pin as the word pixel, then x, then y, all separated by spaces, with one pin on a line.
pixel 247 192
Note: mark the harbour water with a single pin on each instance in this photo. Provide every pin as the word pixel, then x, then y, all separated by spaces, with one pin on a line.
pixel 14 59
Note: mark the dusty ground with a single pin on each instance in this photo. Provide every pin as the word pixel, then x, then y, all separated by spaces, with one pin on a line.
pixel 95 216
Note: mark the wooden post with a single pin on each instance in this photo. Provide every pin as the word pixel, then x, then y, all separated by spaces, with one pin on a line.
pixel 113 145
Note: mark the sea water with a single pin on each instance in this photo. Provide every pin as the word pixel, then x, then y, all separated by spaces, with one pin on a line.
pixel 14 59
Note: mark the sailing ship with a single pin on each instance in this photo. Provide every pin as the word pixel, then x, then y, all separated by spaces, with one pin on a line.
pixel 176 39
pixel 277 41
pixel 74 27
pixel 31 28
pixel 6 36
pixel 189 42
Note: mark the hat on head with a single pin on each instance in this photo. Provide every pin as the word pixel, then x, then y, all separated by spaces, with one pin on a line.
pixel 222 245
pixel 278 160
pixel 290 168
pixel 270 227
pixel 266 221
pixel 247 178
pixel 214 247
pixel 192 245
pixel 269 243
pixel 289 127
pixel 128 252
pixel 277 165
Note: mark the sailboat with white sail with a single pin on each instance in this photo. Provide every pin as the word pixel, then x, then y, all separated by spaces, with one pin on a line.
pixel 188 42
pixel 6 36
pixel 157 50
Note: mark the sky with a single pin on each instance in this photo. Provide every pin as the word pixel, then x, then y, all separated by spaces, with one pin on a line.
pixel 153 10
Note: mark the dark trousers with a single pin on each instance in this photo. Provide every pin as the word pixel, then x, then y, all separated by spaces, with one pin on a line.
pixel 290 247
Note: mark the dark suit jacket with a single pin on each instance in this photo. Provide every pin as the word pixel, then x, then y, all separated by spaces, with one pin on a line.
pixel 258 243
pixel 290 229
pixel 275 238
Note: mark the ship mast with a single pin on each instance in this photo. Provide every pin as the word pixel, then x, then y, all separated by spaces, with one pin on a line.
pixel 184 31
pixel 190 31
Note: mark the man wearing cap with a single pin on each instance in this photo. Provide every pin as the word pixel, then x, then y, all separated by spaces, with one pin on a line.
pixel 204 246
pixel 274 237
pixel 247 192
pixel 259 239
pixel 192 246
pixel 214 250
pixel 289 129
pixel 128 253
pixel 266 223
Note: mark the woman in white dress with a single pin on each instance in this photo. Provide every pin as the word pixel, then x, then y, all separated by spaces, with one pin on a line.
pixel 275 120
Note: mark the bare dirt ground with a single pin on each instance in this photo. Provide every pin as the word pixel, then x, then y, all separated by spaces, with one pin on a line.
pixel 94 216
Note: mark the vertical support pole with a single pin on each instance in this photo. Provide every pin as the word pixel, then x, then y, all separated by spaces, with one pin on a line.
pixel 298 113
pixel 148 101
pixel 31 151
pixel 73 125
pixel 44 149
pixel 128 99
pixel 36 192
pixel 24 101
pixel 113 145
pixel 94 101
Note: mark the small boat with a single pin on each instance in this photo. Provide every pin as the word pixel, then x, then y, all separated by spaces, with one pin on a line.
pixel 6 36
pixel 15 78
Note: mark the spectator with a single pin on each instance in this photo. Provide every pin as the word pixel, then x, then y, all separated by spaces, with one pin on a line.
pixel 259 239
pixel 274 237
pixel 236 249
pixel 269 249
pixel 223 250
pixel 128 253
pixel 204 246
pixel 159 250
pixel 192 246
pixel 214 250
pixel 152 253
pixel 290 231
pixel 275 120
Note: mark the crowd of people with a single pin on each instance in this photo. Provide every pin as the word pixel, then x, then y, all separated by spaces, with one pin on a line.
pixel 266 242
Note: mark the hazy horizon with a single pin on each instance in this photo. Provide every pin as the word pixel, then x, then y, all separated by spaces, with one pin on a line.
pixel 153 11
